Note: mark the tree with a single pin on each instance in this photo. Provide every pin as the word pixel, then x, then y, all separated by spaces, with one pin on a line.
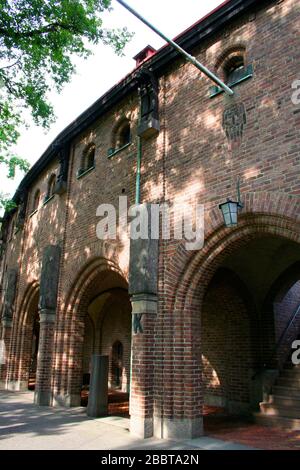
pixel 38 41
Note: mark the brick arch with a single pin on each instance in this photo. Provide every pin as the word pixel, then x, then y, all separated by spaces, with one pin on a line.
pixel 21 344
pixel 277 214
pixel 236 49
pixel 67 378
pixel 189 273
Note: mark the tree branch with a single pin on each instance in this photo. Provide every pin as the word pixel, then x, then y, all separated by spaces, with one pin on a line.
pixel 50 28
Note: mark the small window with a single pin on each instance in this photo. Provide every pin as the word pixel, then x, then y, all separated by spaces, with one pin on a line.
pixel 36 200
pixel 121 136
pixel 117 364
pixel 124 135
pixel 90 158
pixel 87 159
pixel 233 68
pixel 51 187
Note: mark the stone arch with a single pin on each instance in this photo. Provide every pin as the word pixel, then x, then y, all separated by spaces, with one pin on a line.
pixel 72 322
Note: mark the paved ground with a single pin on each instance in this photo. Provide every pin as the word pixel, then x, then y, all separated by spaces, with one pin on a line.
pixel 251 434
pixel 26 426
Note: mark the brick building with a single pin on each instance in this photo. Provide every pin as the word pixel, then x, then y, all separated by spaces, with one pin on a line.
pixel 212 326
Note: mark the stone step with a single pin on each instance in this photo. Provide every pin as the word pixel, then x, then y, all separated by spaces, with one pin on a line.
pixel 272 409
pixel 286 391
pixel 285 401
pixel 277 421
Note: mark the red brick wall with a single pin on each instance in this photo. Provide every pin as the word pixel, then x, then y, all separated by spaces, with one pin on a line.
pixel 191 157
pixel 226 344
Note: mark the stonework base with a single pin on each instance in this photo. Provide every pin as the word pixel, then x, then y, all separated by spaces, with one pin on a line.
pixel 42 398
pixel 141 427
pixel 178 428
pixel 67 401
pixel 3 385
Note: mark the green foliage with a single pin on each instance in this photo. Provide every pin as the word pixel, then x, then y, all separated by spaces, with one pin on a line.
pixel 38 41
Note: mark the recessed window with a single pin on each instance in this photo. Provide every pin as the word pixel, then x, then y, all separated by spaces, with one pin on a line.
pixel 117 364
pixel 87 159
pixel 233 68
pixel 121 137
pixel 124 135
pixel 51 187
pixel 36 200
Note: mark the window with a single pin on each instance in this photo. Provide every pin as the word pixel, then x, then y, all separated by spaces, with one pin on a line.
pixel 51 187
pixel 36 200
pixel 87 159
pixel 233 68
pixel 117 364
pixel 121 136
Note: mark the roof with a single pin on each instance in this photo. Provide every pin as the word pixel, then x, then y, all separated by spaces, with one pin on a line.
pixel 190 38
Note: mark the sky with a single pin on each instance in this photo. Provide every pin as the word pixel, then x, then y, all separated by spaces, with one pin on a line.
pixel 104 68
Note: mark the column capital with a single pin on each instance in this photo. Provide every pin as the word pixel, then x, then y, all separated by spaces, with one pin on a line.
pixel 47 315
pixel 144 303
pixel 6 322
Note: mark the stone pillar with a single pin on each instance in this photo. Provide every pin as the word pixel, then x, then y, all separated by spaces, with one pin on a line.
pixel 47 311
pixel 98 393
pixel 7 320
pixel 143 291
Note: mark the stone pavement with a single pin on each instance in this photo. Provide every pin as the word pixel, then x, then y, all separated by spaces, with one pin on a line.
pixel 25 426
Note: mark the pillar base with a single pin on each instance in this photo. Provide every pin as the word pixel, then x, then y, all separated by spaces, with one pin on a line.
pixel 178 428
pixel 3 385
pixel 67 401
pixel 42 398
pixel 141 427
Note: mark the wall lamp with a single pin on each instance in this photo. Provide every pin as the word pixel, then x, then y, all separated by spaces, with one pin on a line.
pixel 231 208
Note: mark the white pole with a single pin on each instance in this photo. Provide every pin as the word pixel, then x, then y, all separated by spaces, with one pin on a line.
pixel 189 57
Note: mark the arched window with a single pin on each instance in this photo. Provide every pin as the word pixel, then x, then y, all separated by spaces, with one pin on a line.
pixel 87 159
pixel 51 187
pixel 117 364
pixel 90 157
pixel 121 136
pixel 233 68
pixel 36 200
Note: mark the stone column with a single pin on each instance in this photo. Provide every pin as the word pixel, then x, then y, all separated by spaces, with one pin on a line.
pixel 6 322
pixel 98 395
pixel 143 291
pixel 47 311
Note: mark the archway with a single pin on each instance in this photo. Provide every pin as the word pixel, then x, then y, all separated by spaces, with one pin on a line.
pixel 28 339
pixel 97 314
pixel 108 332
pixel 257 252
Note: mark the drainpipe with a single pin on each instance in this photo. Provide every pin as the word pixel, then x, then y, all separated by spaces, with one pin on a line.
pixel 138 170
pixel 179 49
